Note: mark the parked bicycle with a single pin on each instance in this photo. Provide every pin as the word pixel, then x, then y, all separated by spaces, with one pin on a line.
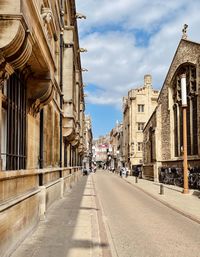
pixel 174 176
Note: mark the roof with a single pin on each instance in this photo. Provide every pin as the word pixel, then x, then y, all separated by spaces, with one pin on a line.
pixel 182 41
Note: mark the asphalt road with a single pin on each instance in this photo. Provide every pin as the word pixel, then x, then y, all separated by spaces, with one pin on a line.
pixel 142 227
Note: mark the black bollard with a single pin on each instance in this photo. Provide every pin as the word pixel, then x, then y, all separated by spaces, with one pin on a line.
pixel 136 179
pixel 161 189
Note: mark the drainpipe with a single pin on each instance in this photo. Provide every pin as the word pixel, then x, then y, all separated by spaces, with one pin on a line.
pixel 61 96
pixel 61 78
pixel 0 124
pixel 41 158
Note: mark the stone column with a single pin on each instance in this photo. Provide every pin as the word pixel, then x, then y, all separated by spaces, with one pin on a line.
pixel 42 209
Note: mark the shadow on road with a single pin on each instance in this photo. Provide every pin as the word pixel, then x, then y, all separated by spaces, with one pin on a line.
pixel 57 235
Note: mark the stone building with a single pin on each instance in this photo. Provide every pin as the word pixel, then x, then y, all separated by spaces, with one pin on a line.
pixel 137 108
pixel 101 149
pixel 42 102
pixel 41 111
pixel 163 136
pixel 88 137
pixel 116 139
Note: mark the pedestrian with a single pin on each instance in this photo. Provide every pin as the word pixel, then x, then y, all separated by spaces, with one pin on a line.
pixel 120 172
pixel 126 173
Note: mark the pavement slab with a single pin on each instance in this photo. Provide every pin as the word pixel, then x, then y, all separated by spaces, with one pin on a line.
pixel 71 228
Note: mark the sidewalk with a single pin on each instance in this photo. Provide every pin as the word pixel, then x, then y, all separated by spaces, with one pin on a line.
pixel 188 205
pixel 71 227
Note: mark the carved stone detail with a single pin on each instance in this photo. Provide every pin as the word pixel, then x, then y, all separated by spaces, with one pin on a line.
pixel 5 71
pixel 3 77
pixel 34 108
pixel 23 55
pixel 12 37
pixel 40 93
pixel 184 31
pixel 16 43
pixel 46 14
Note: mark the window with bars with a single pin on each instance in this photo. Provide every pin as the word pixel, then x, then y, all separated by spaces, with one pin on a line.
pixel 192 133
pixel 140 107
pixel 13 148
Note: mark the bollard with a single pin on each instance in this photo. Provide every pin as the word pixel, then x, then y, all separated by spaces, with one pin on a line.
pixel 136 179
pixel 161 189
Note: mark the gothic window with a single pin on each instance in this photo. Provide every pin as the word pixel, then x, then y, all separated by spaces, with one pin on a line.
pixel 13 148
pixel 192 139
pixel 151 144
pixel 175 108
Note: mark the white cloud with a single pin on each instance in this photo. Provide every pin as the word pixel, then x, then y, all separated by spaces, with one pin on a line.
pixel 134 13
pixel 115 60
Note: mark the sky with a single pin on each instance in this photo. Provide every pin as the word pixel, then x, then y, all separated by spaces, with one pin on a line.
pixel 126 39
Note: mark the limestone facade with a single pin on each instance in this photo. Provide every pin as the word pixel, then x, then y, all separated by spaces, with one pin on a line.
pixel 163 136
pixel 73 99
pixel 41 111
pixel 116 140
pixel 42 100
pixel 137 108
pixel 88 137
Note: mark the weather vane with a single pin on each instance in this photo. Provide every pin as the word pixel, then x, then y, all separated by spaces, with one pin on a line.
pixel 184 30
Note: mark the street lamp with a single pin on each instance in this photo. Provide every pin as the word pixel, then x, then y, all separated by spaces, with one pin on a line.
pixel 184 107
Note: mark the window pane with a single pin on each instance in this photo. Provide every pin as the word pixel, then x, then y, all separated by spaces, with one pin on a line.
pixel 16 123
pixel 139 146
pixel 140 107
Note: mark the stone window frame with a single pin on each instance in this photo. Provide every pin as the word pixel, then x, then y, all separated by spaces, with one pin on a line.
pixel 192 100
pixel 140 107
pixel 140 126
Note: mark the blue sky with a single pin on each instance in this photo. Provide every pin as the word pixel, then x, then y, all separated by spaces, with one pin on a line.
pixel 127 39
pixel 104 118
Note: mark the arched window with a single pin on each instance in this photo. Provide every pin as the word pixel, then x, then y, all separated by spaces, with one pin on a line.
pixel 192 139
pixel 152 144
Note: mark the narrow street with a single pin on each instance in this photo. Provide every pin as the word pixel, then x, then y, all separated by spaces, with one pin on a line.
pixel 89 90
pixel 140 226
